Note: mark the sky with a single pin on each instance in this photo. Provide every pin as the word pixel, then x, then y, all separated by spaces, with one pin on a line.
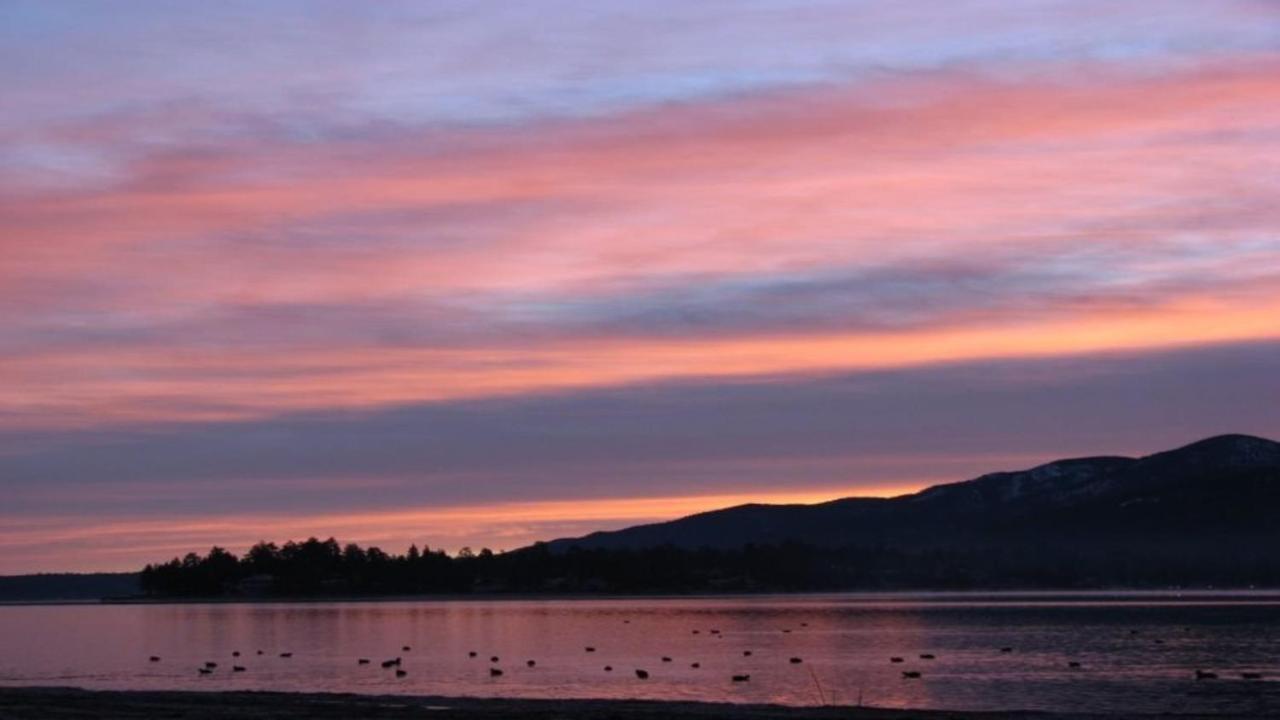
pixel 484 273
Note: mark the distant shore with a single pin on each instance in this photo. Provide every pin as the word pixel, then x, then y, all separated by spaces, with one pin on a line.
pixel 52 703
pixel 992 594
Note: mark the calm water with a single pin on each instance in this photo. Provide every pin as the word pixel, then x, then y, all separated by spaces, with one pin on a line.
pixel 1137 652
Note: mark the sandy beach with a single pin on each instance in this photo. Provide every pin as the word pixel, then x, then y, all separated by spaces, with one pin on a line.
pixel 54 703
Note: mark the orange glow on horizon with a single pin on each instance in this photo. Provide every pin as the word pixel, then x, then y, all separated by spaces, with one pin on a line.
pixel 282 293
pixel 128 544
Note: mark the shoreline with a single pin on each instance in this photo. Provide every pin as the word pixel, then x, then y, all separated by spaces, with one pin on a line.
pixel 65 703
pixel 1226 595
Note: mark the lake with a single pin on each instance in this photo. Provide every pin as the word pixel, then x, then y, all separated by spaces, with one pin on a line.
pixel 1136 651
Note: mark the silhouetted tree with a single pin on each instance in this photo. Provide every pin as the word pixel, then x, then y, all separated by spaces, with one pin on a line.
pixel 323 568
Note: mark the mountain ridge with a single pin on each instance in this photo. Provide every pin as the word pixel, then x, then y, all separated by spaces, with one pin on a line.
pixel 1099 494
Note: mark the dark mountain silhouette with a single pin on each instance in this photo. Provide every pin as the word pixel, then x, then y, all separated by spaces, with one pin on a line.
pixel 1201 516
pixel 1220 495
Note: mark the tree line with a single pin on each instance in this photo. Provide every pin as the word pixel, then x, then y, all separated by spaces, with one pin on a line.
pixel 327 568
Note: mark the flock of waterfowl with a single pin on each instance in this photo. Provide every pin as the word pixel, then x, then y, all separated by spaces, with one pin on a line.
pixel 397 662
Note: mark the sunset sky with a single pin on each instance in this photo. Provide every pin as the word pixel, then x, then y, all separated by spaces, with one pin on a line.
pixel 482 273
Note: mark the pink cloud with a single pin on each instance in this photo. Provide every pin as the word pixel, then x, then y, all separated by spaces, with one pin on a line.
pixel 1163 172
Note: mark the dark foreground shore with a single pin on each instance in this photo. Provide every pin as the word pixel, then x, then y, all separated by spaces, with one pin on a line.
pixel 68 703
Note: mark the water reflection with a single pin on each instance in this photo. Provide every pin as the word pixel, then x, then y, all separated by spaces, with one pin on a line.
pixel 1132 652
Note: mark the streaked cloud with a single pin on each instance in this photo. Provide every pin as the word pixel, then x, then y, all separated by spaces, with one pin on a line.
pixel 271 227
pixel 510 471
pixel 991 212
